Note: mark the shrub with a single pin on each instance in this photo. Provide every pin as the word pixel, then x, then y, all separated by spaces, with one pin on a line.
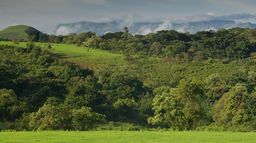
pixel 85 119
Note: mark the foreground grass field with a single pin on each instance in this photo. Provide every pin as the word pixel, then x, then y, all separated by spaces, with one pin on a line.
pixel 91 58
pixel 126 137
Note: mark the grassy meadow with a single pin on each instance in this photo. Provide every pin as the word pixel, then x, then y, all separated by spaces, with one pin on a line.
pixel 91 58
pixel 126 137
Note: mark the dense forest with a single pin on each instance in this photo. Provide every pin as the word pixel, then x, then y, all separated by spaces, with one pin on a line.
pixel 205 81
pixel 222 44
pixel 234 43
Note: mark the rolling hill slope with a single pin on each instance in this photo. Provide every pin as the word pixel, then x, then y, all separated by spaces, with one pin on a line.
pixel 19 32
pixel 90 58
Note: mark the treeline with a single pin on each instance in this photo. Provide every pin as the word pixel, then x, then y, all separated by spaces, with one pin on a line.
pixel 222 44
pixel 39 92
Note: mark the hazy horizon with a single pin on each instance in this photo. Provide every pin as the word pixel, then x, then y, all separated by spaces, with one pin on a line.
pixel 48 13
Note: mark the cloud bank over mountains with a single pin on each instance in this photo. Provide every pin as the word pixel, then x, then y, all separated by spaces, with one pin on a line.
pixel 190 24
pixel 43 14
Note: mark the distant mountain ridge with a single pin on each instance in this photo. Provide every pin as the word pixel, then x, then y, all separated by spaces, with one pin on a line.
pixel 190 24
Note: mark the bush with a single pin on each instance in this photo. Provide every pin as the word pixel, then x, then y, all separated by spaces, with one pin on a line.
pixel 8 104
pixel 85 119
pixel 50 117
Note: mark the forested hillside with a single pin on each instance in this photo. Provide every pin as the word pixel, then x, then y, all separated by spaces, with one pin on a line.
pixel 235 43
pixel 171 80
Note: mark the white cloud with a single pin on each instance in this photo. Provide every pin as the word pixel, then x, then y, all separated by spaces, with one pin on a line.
pixel 63 30
pixel 166 25
pixel 211 14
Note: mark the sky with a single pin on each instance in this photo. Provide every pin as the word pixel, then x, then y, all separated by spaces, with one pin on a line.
pixel 44 14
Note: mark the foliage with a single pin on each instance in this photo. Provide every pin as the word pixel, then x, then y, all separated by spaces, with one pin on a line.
pixel 84 118
pixel 236 108
pixel 172 80
pixel 46 94
pixel 223 44
pixel 9 107
pixel 180 108
pixel 50 117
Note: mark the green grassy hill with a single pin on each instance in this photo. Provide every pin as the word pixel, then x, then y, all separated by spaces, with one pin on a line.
pixel 18 32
